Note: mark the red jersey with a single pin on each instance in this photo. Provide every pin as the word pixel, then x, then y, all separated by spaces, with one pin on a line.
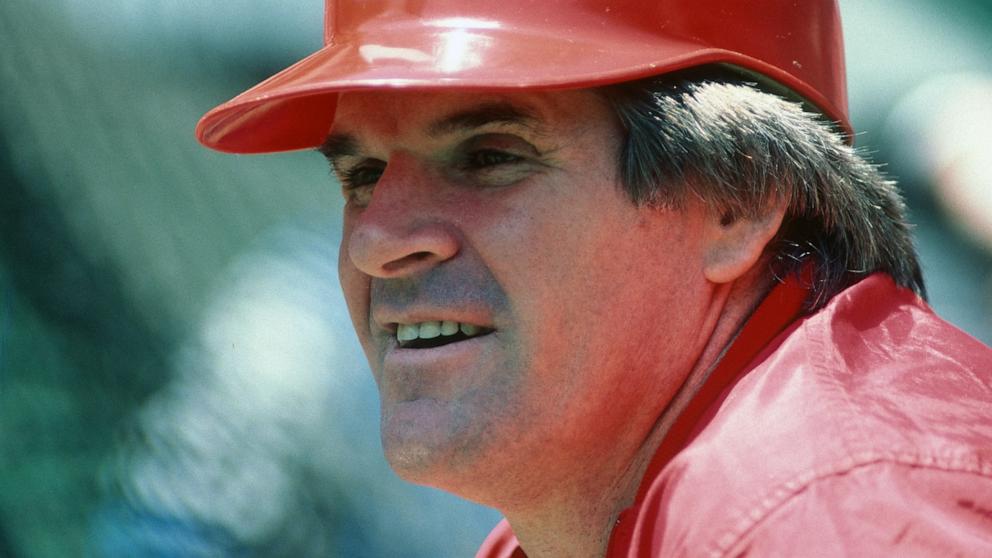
pixel 864 429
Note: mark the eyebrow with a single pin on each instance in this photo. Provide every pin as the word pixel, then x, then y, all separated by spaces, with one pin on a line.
pixel 336 146
pixel 499 112
pixel 340 145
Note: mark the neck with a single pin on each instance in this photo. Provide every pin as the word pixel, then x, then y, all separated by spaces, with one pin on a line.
pixel 577 519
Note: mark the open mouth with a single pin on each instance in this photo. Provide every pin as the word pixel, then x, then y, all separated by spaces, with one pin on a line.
pixel 428 335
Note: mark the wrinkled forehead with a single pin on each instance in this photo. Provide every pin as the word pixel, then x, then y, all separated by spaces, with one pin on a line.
pixel 390 115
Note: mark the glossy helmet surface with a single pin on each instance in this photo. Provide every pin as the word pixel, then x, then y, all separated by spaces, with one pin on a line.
pixel 531 44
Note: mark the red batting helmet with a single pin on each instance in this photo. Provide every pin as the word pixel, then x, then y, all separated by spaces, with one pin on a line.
pixel 531 44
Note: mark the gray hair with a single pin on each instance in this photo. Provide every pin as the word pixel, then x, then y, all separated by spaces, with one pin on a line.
pixel 737 148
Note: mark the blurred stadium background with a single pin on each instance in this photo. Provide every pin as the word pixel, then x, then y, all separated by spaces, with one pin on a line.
pixel 177 375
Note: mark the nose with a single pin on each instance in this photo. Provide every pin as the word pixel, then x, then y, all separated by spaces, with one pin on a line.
pixel 404 229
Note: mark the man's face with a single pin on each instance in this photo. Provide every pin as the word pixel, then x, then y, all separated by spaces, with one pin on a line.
pixel 500 217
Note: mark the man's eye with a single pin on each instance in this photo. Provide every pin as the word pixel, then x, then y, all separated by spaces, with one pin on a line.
pixel 496 166
pixel 357 182
pixel 362 175
pixel 484 158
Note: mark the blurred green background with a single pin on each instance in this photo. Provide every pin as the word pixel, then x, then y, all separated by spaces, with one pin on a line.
pixel 177 376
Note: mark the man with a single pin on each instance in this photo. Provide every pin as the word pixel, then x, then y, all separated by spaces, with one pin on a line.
pixel 618 276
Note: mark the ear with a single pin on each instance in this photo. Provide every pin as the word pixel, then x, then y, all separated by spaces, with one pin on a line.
pixel 735 244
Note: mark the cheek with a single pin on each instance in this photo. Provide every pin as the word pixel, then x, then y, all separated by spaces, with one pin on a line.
pixel 355 286
pixel 617 299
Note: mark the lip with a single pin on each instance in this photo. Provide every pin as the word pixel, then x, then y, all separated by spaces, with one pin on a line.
pixel 452 355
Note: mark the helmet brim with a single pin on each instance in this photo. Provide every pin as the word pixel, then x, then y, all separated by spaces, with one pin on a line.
pixel 294 109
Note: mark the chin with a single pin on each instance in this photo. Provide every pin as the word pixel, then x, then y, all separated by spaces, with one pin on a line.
pixel 417 437
pixel 426 444
pixel 412 464
pixel 437 467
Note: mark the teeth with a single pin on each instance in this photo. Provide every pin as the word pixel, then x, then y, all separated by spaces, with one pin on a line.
pixel 430 330
pixel 407 332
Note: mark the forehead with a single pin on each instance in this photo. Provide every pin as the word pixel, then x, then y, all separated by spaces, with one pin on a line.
pixel 390 114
